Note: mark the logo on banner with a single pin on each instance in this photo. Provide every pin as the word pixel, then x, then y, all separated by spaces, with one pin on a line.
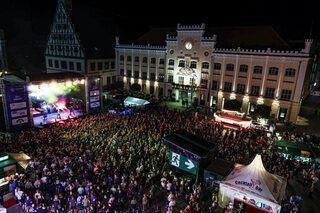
pixel 19 121
pixel 253 184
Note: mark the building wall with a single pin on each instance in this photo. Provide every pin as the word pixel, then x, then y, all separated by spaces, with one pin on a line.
pixel 105 67
pixel 271 74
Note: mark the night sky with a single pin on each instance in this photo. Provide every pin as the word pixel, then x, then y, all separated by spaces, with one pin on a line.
pixel 27 22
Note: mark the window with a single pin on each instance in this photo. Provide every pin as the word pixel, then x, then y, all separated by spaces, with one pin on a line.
pixel 106 65
pixel 191 80
pixel 257 70
pixel 152 76
pixel 92 66
pixel 108 80
pixel 255 90
pixel 216 66
pixel 286 94
pixel 112 64
pixel 170 78
pixel 56 64
pixel 171 62
pixel 128 58
pixel 193 65
pixel 71 65
pixel 161 61
pixel 79 67
pixel 144 75
pixel 269 92
pixel 145 60
pixel 230 67
pixel 121 72
pixel 181 63
pixel 136 59
pixel 121 58
pixel 204 83
pixel 205 65
pixel 241 88
pixel 99 65
pixel 129 73
pixel 181 80
pixel 49 63
pixel 243 68
pixel 290 72
pixel 63 64
pixel 153 60
pixel 273 71
pixel 215 85
pixel 227 86
pixel 136 74
pixel 161 78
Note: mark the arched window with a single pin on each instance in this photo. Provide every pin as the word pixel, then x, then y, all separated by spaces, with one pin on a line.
pixel 193 65
pixel 205 65
pixel 243 68
pixel 171 62
pixel 257 70
pixel 273 70
pixel 182 63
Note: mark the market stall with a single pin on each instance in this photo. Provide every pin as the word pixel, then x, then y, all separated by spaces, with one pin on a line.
pixel 252 185
pixel 232 119
pixel 299 151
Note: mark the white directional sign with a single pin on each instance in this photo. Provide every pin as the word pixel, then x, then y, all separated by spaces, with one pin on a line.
pixel 183 163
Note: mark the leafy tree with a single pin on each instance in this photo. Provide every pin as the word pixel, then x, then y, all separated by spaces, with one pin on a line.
pixel 135 87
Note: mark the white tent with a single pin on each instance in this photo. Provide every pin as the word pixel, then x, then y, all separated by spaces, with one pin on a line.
pixel 253 184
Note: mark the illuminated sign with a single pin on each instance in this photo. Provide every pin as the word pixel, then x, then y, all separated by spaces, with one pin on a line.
pixel 3 158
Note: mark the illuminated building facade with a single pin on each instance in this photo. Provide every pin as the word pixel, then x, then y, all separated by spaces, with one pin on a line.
pixel 71 49
pixel 210 66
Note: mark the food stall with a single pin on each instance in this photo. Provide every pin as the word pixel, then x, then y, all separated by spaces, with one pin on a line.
pixel 299 151
pixel 232 119
pixel 8 167
pixel 254 187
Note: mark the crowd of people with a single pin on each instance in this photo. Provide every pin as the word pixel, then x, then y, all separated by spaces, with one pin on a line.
pixel 114 163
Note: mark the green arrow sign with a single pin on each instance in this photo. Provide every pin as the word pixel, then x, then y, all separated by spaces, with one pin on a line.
pixel 183 163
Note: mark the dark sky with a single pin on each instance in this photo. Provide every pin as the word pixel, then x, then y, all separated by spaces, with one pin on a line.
pixel 27 22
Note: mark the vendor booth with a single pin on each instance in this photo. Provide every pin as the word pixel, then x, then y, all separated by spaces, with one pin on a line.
pixel 232 119
pixel 254 187
pixel 187 153
pixel 299 151
pixel 216 171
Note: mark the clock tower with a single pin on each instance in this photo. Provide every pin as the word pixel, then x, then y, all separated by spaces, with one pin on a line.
pixel 189 61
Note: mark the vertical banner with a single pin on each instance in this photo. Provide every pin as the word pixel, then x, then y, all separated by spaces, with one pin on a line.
pixel 17 105
pixel 94 94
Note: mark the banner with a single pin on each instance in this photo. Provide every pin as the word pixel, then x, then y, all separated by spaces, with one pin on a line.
pixel 94 92
pixel 17 102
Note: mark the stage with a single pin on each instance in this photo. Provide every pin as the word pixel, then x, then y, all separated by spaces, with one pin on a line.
pixel 53 117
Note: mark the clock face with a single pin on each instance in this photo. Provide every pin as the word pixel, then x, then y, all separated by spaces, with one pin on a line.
pixel 188 45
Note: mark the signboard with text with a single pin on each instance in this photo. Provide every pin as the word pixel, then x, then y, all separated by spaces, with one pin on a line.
pixel 94 94
pixel 17 102
pixel 183 163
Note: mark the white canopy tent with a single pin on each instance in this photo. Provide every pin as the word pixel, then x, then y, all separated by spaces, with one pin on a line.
pixel 253 184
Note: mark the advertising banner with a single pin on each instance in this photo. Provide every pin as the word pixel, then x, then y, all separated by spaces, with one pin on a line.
pixel 17 102
pixel 94 92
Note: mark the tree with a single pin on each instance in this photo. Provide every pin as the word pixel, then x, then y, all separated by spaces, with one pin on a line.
pixel 135 87
pixel 262 110
pixel 232 105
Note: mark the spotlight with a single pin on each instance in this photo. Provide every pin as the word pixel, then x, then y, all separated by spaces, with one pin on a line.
pixel 68 83
pixel 82 81
pixel 43 86
pixel 75 82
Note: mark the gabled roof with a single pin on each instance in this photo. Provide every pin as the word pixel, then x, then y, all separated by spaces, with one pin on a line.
pixel 246 37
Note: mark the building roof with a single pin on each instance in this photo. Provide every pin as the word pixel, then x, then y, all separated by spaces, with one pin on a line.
pixel 246 37
pixel 54 76
pixel 220 166
pixel 190 142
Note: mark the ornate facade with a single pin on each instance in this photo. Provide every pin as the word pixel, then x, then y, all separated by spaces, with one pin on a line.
pixel 194 67
pixel 66 52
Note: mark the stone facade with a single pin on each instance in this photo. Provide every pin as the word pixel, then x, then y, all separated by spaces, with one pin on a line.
pixel 190 67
